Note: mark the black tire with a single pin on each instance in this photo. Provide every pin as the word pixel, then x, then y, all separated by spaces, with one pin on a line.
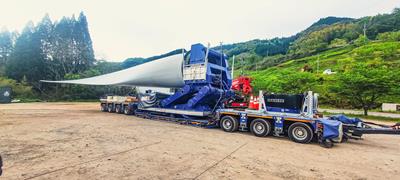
pixel 260 127
pixel 300 133
pixel 127 111
pixel 110 108
pixel 229 124
pixel 103 107
pixel 122 109
pixel 118 109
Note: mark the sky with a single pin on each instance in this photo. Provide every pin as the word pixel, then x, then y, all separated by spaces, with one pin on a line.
pixel 141 28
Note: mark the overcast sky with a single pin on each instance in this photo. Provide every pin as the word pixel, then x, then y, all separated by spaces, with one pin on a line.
pixel 133 28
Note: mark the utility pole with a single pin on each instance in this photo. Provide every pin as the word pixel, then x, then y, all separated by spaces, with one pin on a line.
pixel 256 66
pixel 318 64
pixel 241 70
pixel 233 65
pixel 222 58
pixel 365 29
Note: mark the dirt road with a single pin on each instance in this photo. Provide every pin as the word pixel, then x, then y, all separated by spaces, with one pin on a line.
pixel 77 141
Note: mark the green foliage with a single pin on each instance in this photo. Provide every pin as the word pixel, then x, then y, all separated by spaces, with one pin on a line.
pixel 319 40
pixel 361 40
pixel 379 59
pixel 6 48
pixel 338 43
pixel 27 60
pixel 51 50
pixel 326 34
pixel 330 20
pixel 285 81
pixel 389 36
pixel 130 62
pixel 266 47
pixel 380 23
pixel 20 90
pixel 47 51
pixel 363 84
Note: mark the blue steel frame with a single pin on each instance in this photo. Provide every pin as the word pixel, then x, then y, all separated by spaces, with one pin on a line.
pixel 203 94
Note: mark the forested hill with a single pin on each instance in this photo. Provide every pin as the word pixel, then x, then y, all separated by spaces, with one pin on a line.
pixel 269 47
pixel 260 47
pixel 333 58
pixel 322 35
pixel 327 33
pixel 51 50
pixel 130 62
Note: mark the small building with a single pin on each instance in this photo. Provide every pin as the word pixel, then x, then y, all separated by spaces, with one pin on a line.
pixel 390 107
pixel 328 72
pixel 5 94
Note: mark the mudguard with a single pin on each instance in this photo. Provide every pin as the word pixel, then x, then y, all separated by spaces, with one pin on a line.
pixel 332 129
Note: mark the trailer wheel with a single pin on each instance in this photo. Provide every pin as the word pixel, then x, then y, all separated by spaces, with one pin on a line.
pixel 229 124
pixel 121 109
pixel 260 127
pixel 118 109
pixel 127 111
pixel 103 107
pixel 300 132
pixel 110 108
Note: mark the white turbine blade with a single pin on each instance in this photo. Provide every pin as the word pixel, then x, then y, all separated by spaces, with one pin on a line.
pixel 164 72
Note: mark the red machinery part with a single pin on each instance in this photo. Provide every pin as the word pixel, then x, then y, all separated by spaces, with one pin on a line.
pixel 242 87
pixel 243 84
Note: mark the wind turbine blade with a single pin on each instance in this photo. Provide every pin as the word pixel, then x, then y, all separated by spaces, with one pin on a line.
pixel 164 72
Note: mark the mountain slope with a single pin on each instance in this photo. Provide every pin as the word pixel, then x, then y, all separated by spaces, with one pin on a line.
pixel 327 33
pixel 303 74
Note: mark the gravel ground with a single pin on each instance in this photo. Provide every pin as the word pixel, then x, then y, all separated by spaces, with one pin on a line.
pixel 77 141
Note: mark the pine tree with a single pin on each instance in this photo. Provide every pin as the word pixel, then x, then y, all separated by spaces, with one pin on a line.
pixel 43 39
pixel 18 67
pixel 6 47
pixel 27 59
pixel 84 43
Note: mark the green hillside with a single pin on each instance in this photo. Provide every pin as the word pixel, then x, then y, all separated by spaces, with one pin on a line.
pixel 327 33
pixel 363 54
pixel 303 74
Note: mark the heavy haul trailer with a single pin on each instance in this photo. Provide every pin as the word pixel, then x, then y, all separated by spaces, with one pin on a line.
pixel 116 104
pixel 294 116
pixel 207 86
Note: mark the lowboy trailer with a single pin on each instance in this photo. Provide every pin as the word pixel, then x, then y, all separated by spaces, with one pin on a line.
pixel 203 100
pixel 294 116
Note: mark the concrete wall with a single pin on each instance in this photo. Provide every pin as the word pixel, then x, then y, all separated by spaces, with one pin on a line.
pixel 390 107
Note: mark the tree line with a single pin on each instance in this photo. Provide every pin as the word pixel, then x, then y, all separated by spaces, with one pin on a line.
pixel 52 50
